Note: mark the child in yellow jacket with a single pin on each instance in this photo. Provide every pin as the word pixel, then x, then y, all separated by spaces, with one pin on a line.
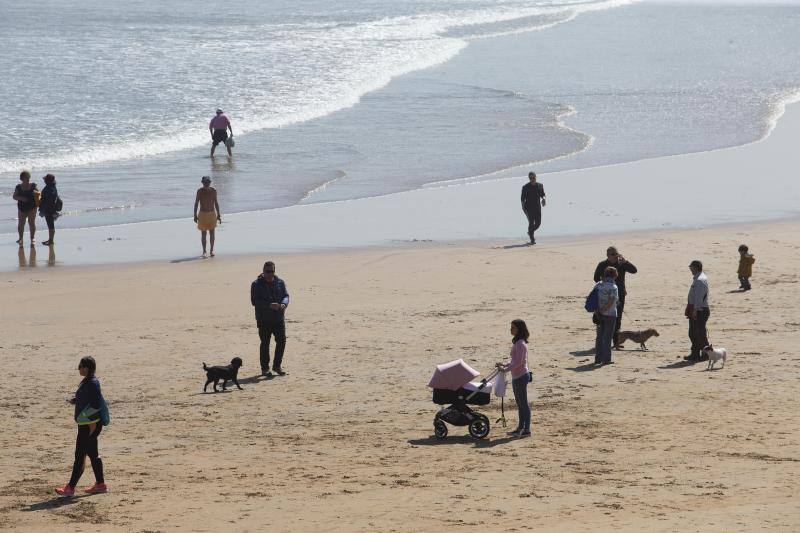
pixel 746 261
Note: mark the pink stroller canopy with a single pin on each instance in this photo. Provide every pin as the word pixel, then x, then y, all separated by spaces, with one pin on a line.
pixel 452 375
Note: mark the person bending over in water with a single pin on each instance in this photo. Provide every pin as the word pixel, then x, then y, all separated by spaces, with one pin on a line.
pixel 218 127
pixel 209 213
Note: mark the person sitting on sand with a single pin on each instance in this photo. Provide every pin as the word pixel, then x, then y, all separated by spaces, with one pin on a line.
pixel 88 402
pixel 209 213
pixel 218 127
pixel 26 195
pixel 520 376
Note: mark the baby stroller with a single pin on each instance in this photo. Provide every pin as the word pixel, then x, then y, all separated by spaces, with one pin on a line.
pixel 451 384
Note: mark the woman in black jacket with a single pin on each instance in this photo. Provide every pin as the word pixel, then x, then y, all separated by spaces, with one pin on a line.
pixel 48 207
pixel 88 402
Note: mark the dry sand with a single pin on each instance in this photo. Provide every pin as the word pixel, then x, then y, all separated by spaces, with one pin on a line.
pixel 343 443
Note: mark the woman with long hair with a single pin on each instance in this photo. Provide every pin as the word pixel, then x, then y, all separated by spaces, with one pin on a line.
pixel 520 376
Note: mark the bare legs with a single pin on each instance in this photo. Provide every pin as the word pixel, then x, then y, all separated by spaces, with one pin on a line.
pixel 203 240
pixel 214 147
pixel 30 216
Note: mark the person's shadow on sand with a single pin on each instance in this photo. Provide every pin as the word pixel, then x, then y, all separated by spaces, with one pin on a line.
pixel 678 364
pixel 256 379
pixel 512 246
pixel 187 259
pixel 582 353
pixel 54 503
pixel 588 367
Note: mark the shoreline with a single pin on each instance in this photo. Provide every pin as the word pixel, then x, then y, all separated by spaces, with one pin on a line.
pixel 283 181
pixel 683 191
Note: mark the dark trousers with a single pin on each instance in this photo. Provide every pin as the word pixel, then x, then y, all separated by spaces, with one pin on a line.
pixel 520 387
pixel 697 331
pixel 51 220
pixel 265 331
pixel 618 323
pixel 602 342
pixel 744 282
pixel 87 445
pixel 534 220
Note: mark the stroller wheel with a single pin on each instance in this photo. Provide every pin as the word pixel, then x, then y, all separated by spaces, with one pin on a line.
pixel 439 429
pixel 479 427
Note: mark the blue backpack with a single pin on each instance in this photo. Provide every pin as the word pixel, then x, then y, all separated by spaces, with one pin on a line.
pixel 105 416
pixel 592 301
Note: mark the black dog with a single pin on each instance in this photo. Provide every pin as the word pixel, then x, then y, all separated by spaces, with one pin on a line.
pixel 224 373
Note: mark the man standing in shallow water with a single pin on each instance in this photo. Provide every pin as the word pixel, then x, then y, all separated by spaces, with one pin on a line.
pixel 209 213
pixel 218 127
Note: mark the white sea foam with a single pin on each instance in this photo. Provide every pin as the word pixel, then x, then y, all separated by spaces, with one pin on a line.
pixel 310 70
pixel 779 108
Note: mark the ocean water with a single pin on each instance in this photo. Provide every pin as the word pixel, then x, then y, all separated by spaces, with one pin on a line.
pixel 337 100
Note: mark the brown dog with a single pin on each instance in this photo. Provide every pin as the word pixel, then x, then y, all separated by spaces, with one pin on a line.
pixel 638 336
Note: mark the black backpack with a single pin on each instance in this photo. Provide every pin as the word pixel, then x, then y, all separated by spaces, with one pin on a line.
pixel 59 205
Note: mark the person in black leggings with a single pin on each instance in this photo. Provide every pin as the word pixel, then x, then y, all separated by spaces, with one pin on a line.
pixel 87 401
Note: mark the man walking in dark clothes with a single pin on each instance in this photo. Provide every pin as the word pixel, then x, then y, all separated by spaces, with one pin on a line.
pixel 532 203
pixel 623 266
pixel 270 299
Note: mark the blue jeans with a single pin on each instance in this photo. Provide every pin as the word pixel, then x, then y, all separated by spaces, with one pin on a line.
pixel 520 387
pixel 602 343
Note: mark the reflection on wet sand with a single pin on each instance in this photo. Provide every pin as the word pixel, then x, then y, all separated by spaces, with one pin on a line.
pixel 28 261
pixel 221 165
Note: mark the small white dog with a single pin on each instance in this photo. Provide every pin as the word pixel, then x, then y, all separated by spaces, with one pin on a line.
pixel 714 355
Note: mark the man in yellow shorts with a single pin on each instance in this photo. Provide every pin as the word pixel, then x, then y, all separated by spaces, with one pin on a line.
pixel 209 213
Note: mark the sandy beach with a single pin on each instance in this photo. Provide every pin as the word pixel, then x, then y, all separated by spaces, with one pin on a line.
pixel 380 151
pixel 344 441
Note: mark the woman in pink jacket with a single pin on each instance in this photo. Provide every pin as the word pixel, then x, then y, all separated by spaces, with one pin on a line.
pixel 520 376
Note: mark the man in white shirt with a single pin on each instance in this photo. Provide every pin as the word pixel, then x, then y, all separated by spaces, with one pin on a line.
pixel 697 311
